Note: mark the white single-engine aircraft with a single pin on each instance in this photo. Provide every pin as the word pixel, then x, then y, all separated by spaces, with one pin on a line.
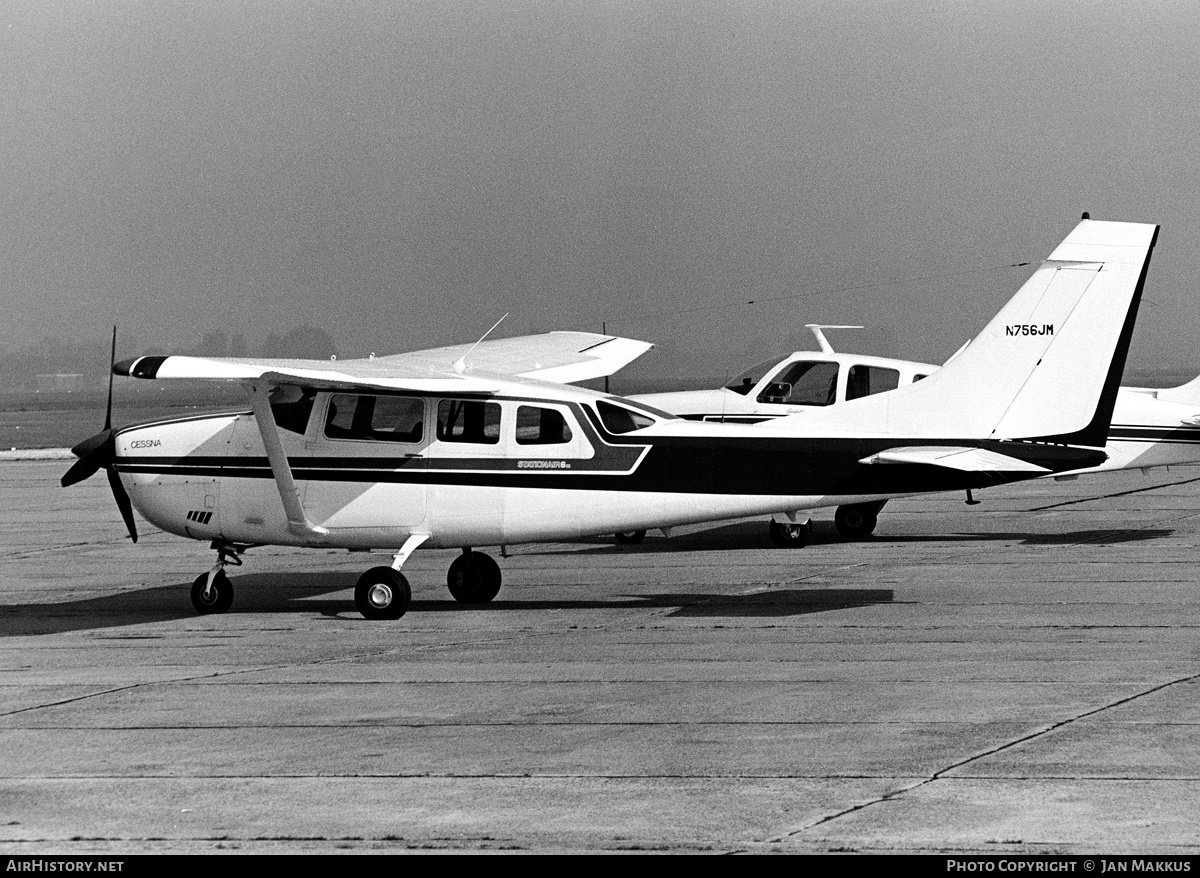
pixel 1151 427
pixel 486 445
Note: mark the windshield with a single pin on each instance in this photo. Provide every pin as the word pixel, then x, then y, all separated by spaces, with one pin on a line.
pixel 748 380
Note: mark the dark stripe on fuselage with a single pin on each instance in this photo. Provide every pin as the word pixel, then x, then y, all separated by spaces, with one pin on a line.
pixel 690 465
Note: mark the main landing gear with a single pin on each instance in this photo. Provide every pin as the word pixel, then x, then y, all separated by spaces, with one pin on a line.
pixel 857 521
pixel 380 593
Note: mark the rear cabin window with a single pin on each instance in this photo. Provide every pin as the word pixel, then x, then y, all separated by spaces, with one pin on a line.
pixel 468 420
pixel 376 418
pixel 618 419
pixel 803 383
pixel 291 407
pixel 867 380
pixel 539 426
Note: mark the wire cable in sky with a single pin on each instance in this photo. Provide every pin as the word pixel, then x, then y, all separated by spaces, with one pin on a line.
pixel 858 287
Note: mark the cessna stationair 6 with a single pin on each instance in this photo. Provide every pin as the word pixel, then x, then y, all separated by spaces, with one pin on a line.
pixel 490 445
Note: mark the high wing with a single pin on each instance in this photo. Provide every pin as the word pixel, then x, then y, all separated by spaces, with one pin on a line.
pixel 560 357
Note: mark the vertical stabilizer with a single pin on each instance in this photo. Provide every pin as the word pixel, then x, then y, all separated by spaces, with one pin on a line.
pixel 1048 365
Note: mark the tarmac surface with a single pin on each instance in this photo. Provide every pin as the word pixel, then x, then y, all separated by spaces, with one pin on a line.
pixel 1021 676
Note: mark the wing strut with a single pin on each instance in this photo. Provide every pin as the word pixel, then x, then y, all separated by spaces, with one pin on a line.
pixel 298 521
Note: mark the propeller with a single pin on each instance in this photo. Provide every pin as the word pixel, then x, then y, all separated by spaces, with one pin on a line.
pixel 100 452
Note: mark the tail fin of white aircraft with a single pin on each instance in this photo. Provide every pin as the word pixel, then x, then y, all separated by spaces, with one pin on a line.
pixel 1046 368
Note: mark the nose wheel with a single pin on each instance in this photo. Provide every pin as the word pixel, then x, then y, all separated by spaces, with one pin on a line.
pixel 212 593
pixel 789 536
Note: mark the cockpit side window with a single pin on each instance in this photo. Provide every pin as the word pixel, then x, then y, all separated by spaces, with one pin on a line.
pixel 291 407
pixel 375 418
pixel 867 380
pixel 618 419
pixel 804 383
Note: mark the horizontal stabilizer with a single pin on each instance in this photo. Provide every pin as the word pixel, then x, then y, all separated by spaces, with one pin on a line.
pixel 971 460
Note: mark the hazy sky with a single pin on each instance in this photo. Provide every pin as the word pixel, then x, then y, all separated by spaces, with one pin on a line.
pixel 402 174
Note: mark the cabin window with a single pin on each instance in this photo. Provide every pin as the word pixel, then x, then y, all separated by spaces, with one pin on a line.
pixel 917 378
pixel 468 420
pixel 866 380
pixel 803 383
pixel 749 379
pixel 618 419
pixel 539 426
pixel 291 407
pixel 376 418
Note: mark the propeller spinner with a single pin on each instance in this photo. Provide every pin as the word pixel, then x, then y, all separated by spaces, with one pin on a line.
pixel 100 452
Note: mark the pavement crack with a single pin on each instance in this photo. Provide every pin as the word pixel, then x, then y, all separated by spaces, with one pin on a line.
pixel 1024 739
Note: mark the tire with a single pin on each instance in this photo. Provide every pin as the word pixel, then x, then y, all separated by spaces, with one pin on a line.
pixel 856 521
pixel 382 593
pixel 631 537
pixel 473 578
pixel 217 599
pixel 789 536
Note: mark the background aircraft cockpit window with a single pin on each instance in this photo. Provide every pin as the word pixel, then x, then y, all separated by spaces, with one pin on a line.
pixel 378 418
pixel 749 379
pixel 539 426
pixel 468 420
pixel 291 407
pixel 803 383
pixel 866 380
pixel 618 419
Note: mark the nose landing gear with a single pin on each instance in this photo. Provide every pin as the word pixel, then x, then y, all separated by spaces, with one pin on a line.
pixel 212 592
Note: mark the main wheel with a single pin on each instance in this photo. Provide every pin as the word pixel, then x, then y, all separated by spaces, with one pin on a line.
pixel 789 536
pixel 631 537
pixel 214 597
pixel 473 578
pixel 382 593
pixel 856 521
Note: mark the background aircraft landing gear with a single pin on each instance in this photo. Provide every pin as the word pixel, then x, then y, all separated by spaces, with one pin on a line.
pixel 382 593
pixel 789 536
pixel 630 537
pixel 212 593
pixel 473 578
pixel 857 521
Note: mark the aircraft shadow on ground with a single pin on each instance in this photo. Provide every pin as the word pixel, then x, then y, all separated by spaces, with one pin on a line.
pixel 753 535
pixel 305 593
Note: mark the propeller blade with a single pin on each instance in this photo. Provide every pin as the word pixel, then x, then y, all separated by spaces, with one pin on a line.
pixel 90 444
pixel 111 360
pixel 123 503
pixel 95 453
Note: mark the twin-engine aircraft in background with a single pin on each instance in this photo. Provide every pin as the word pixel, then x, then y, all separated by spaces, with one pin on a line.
pixel 491 445
pixel 1150 426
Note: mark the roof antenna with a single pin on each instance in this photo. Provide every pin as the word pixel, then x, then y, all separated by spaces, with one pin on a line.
pixel 1086 215
pixel 461 365
pixel 826 347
